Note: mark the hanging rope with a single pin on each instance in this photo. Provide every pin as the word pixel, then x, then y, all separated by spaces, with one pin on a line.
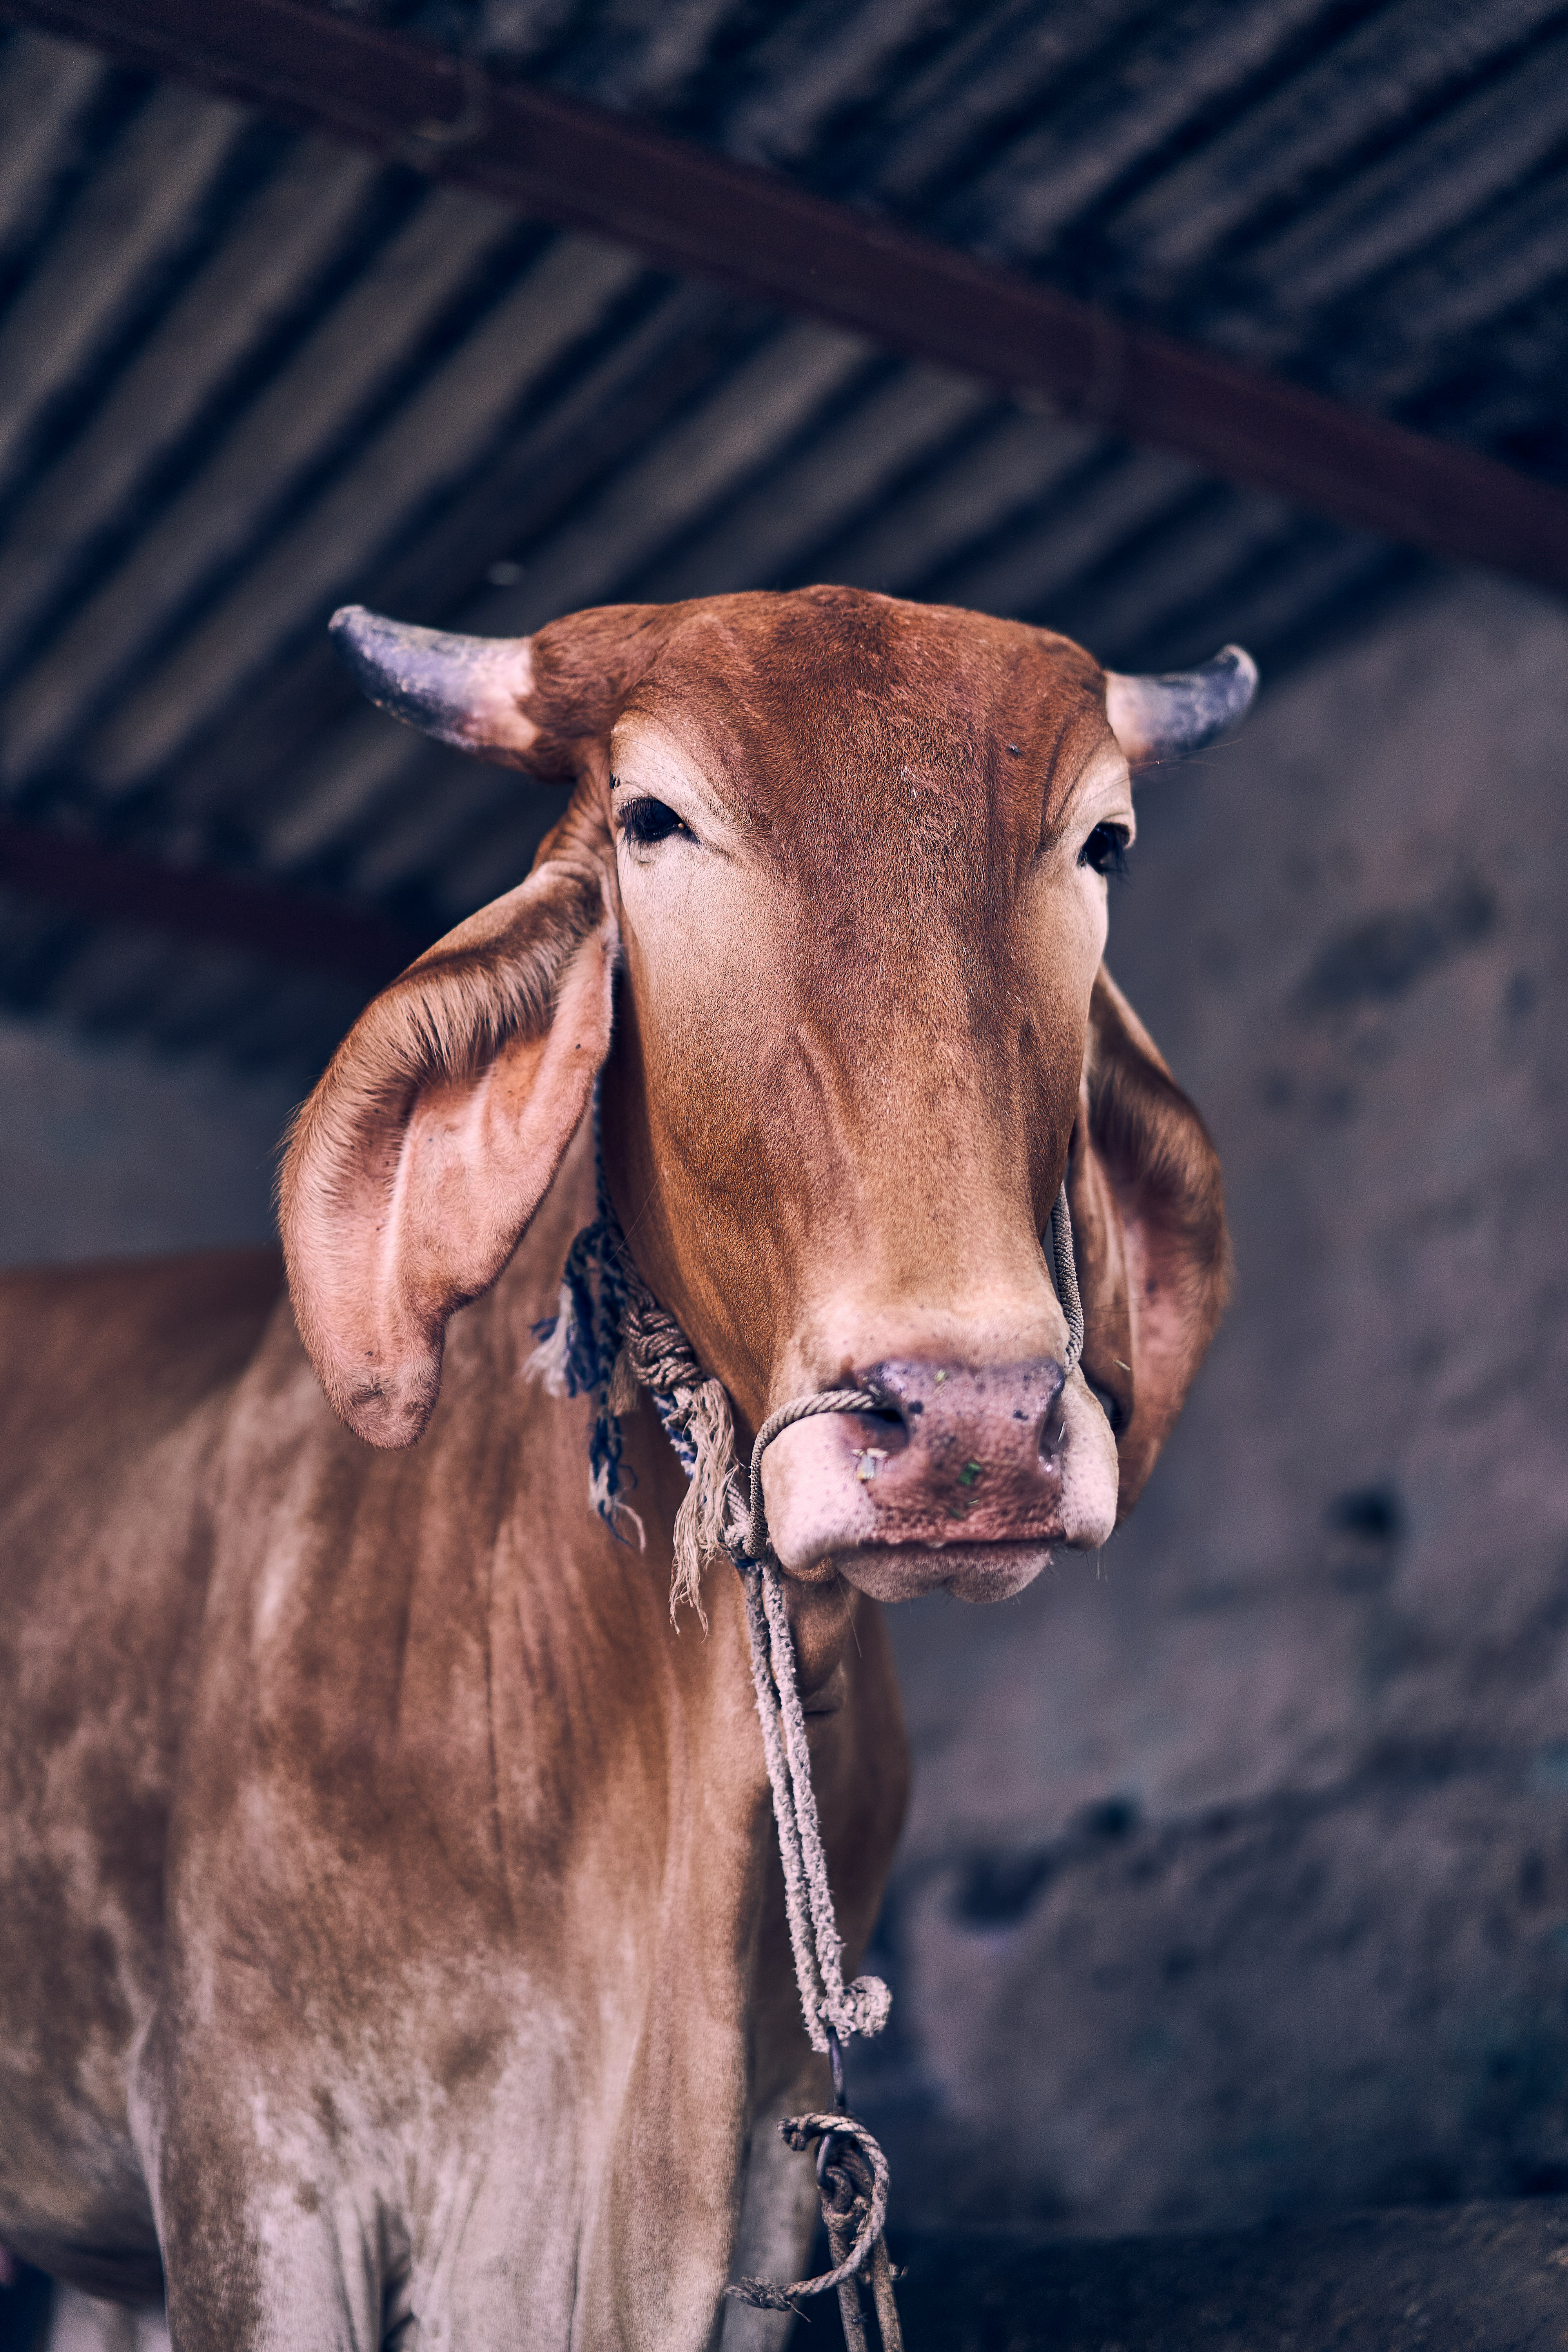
pixel 852 2173
pixel 606 1342
pixel 609 1347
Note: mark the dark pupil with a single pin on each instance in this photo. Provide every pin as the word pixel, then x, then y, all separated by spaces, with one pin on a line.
pixel 1106 850
pixel 647 821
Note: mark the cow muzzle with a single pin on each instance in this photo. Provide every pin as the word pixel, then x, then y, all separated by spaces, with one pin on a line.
pixel 966 1480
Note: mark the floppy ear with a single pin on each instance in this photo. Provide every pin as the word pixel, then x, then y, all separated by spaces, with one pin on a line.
pixel 413 1169
pixel 415 1165
pixel 1149 1235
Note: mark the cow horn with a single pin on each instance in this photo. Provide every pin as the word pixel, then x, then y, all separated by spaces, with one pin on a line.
pixel 1166 717
pixel 467 691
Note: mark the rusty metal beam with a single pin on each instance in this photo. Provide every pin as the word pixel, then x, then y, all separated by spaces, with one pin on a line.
pixel 693 212
pixel 282 927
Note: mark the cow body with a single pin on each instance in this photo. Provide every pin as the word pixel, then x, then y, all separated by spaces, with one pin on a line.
pixel 391 1944
pixel 511 2062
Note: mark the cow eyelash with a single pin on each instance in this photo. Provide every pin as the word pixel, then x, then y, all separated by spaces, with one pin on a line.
pixel 1105 851
pixel 645 823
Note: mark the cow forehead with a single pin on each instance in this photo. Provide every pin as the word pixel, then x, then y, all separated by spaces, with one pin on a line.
pixel 780 698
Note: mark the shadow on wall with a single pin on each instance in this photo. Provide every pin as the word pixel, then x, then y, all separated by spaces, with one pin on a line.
pixel 1236 1880
pixel 107 1151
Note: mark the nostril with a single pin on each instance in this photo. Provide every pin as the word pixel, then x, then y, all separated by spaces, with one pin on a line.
pixel 878 1434
pixel 1053 1429
pixel 874 1438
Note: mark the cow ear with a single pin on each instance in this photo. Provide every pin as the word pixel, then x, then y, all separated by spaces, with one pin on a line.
pixel 414 1167
pixel 1149 1233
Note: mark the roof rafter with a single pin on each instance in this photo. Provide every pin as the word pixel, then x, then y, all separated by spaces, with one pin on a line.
pixel 282 927
pixel 686 209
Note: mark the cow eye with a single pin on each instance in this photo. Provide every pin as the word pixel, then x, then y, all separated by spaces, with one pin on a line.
pixel 1106 849
pixel 645 821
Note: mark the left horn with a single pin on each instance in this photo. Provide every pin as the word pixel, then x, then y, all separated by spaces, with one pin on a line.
pixel 1166 717
pixel 467 691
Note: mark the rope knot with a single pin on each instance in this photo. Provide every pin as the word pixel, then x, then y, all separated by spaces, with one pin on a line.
pixel 867 2005
pixel 852 2175
pixel 854 2179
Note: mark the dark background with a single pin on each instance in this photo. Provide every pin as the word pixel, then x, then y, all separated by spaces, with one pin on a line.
pixel 1235 1891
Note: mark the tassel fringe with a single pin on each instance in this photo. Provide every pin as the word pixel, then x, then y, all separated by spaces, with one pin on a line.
pixel 549 1360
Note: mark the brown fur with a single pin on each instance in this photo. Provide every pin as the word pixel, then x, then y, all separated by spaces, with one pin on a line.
pixel 391 1922
pixel 1148 1208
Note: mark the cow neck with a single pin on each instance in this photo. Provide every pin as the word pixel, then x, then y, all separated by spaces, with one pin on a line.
pixel 609 1339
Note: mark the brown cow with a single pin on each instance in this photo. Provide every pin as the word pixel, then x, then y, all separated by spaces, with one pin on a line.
pixel 391 1943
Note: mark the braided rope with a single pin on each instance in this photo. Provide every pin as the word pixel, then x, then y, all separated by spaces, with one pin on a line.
pixel 608 1343
pixel 824 1400
pixel 868 2211
pixel 1064 1272
pixel 828 2003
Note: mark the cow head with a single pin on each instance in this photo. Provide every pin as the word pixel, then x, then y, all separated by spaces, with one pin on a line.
pixel 827 909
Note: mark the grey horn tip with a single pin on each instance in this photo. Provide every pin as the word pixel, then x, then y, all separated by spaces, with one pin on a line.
pixel 1246 670
pixel 443 683
pixel 370 644
pixel 1166 717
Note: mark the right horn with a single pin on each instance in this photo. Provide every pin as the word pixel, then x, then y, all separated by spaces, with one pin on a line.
pixel 1166 717
pixel 466 691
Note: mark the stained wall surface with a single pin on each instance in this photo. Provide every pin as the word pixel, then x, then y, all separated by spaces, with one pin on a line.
pixel 1237 1874
pixel 104 1150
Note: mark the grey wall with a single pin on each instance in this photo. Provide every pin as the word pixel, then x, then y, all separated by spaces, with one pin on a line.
pixel 107 1151
pixel 1237 1874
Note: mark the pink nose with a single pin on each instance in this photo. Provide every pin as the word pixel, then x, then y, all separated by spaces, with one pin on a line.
pixel 964 1454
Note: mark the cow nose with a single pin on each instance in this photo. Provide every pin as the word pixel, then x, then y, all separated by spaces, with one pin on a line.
pixel 966 1477
pixel 962 1453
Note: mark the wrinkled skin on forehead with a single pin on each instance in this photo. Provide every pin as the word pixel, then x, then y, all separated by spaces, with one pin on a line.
pixel 851 1039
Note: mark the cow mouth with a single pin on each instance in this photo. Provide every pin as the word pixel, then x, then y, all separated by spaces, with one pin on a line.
pixel 971 1571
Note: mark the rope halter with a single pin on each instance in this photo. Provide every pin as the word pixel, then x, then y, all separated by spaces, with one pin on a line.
pixel 608 1340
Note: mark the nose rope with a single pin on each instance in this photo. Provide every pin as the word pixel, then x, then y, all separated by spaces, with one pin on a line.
pixel 609 1346
pixel 1064 1271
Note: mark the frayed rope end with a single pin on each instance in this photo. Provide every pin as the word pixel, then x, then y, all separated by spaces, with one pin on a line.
pixel 607 1500
pixel 703 1523
pixel 761 2294
pixel 550 1361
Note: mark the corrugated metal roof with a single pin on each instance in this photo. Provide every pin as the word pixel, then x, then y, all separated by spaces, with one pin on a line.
pixel 246 376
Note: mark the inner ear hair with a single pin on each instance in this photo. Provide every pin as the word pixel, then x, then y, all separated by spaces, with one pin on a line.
pixel 1167 1273
pixel 1149 1134
pixel 489 984
pixel 414 1167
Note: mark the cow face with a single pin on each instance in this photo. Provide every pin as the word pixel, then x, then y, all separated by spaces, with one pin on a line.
pixel 827 909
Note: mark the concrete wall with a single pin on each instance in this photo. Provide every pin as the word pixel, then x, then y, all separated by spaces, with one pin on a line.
pixel 1237 1873
pixel 104 1150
